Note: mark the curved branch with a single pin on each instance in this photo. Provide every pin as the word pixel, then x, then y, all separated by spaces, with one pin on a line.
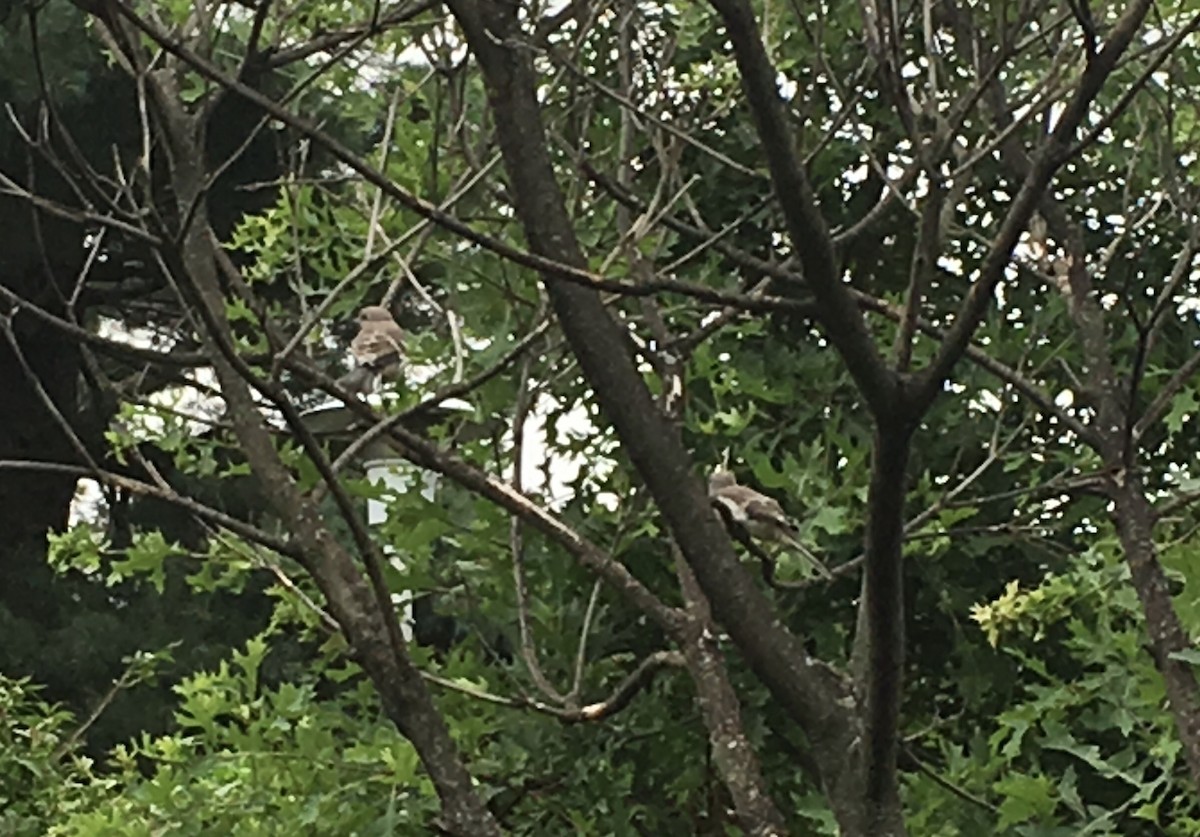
pixel 637 680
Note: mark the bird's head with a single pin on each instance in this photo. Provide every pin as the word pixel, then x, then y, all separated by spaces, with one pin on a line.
pixel 374 314
pixel 720 479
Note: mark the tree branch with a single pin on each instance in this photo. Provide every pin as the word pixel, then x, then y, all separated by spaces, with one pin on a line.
pixel 543 264
pixel 653 444
pixel 145 489
pixel 735 758
pixel 1055 151
pixel 836 309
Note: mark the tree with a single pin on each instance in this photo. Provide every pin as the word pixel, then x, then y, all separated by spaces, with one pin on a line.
pixel 942 292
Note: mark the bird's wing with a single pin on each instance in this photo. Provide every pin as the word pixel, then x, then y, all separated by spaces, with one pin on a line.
pixel 737 511
pixel 767 510
pixel 748 506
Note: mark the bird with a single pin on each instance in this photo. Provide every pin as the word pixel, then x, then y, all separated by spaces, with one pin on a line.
pixel 378 350
pixel 758 514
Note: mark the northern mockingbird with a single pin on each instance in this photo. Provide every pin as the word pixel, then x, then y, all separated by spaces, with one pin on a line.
pixel 378 350
pixel 758 514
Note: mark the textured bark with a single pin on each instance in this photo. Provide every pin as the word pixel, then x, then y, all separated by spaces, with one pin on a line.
pixel 895 404
pixel 1167 635
pixel 865 793
pixel 882 676
pixel 1134 517
pixel 735 758
pixel 816 697
pixel 811 692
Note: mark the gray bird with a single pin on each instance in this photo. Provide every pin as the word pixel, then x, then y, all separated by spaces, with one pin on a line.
pixel 378 350
pixel 758 514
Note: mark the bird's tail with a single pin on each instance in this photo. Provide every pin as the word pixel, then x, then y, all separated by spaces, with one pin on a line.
pixel 821 569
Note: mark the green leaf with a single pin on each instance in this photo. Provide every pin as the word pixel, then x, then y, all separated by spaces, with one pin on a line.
pixel 1187 655
pixel 1183 408
pixel 1026 799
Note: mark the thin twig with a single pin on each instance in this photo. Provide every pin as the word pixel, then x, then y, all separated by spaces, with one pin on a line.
pixel 529 653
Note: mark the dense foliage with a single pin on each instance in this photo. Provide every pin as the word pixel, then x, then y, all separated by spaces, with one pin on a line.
pixel 197 200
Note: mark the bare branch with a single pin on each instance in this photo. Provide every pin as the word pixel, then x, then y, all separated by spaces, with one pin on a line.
pixel 524 402
pixel 1054 152
pixel 134 486
pixel 572 698
pixel 924 266
pixel 729 745
pixel 427 210
pixel 837 311
pixel 1163 50
pixel 327 41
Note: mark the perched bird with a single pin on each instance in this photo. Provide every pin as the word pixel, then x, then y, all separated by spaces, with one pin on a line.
pixel 378 350
pixel 758 514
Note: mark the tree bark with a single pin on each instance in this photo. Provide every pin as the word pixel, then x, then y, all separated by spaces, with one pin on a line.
pixel 736 760
pixel 812 693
